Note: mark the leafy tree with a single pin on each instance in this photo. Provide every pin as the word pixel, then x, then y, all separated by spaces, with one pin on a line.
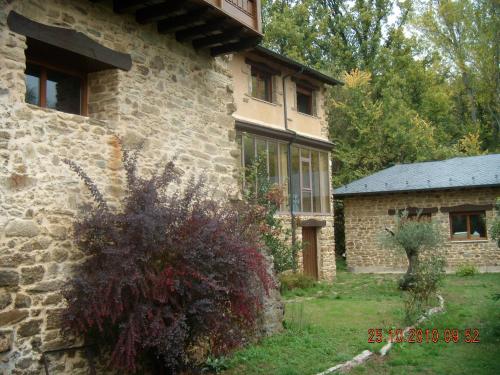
pixel 465 34
pixel 413 236
pixel 362 125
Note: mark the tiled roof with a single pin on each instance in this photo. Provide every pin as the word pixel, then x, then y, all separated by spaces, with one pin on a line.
pixel 463 172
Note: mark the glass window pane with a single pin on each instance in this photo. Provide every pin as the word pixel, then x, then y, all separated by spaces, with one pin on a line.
pixel 262 150
pixel 63 92
pixel 261 85
pixel 248 150
pixel 459 226
pixel 325 181
pixel 304 100
pixel 306 201
pixel 248 154
pixel 284 174
pixel 296 178
pixel 254 86
pixel 273 162
pixel 477 226
pixel 32 77
pixel 306 175
pixel 315 181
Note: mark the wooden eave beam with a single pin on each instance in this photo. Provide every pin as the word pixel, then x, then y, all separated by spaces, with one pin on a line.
pixel 158 12
pixel 124 6
pixel 186 20
pixel 242 44
pixel 69 40
pixel 262 66
pixel 228 35
pixel 211 26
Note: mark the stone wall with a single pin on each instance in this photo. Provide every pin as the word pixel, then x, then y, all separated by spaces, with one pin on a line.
pixel 179 102
pixel 325 244
pixel 367 217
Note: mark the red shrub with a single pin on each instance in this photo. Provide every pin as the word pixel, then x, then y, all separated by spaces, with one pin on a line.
pixel 169 271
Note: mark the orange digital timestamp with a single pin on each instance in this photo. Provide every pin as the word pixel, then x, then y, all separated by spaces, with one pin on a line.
pixel 422 336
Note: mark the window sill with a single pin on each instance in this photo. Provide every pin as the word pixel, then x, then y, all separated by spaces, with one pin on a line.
pixel 263 101
pixel 51 110
pixel 470 241
pixel 305 213
pixel 70 116
pixel 308 115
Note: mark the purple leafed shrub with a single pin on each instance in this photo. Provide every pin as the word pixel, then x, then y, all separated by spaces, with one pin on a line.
pixel 167 273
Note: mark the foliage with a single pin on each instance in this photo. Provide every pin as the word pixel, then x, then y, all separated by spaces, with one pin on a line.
pixel 495 227
pixel 339 229
pixel 465 35
pixel 215 365
pixel 411 89
pixel 413 236
pixel 295 280
pixel 259 191
pixel 467 270
pixel 171 271
pixel 427 277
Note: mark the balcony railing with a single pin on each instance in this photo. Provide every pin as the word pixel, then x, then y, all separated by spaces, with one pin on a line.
pixel 223 26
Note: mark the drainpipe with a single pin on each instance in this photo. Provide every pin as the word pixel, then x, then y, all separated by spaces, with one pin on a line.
pixel 289 155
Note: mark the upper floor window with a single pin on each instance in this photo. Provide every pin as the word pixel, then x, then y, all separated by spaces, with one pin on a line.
pixel 50 87
pixel 310 181
pixel 305 100
pixel 262 84
pixel 468 226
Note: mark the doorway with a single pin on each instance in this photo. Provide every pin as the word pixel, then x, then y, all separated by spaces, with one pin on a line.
pixel 310 252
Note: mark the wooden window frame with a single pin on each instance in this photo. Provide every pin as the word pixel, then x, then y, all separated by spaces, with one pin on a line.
pixel 424 216
pixel 467 214
pixel 301 150
pixel 307 92
pixel 267 77
pixel 323 210
pixel 44 66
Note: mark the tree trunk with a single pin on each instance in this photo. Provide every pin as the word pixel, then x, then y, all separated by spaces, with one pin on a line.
pixel 407 281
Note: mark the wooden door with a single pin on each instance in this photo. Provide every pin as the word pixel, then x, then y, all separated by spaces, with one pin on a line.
pixel 310 253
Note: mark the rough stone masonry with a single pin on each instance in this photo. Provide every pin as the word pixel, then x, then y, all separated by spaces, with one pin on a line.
pixel 179 102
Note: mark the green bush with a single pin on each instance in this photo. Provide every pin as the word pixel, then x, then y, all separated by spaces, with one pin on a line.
pixel 295 280
pixel 467 270
pixel 215 365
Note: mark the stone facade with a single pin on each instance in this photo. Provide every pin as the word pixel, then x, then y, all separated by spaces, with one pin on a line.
pixel 176 101
pixel 271 115
pixel 366 218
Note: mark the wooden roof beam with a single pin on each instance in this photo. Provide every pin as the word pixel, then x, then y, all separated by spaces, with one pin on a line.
pixel 242 44
pixel 211 26
pixel 124 6
pixel 228 35
pixel 186 20
pixel 158 11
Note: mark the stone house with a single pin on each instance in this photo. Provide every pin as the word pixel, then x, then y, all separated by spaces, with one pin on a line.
pixel 75 74
pixel 459 194
pixel 280 114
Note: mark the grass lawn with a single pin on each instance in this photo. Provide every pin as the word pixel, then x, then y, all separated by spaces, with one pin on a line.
pixel 327 325
pixel 469 304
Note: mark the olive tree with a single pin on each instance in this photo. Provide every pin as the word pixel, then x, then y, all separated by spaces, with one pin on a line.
pixel 413 236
